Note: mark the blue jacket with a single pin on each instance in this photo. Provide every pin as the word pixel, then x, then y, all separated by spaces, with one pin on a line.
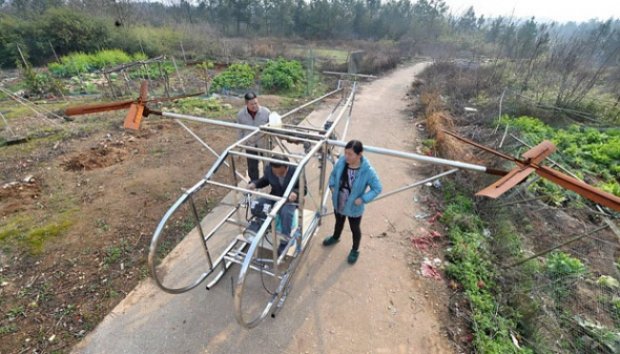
pixel 366 178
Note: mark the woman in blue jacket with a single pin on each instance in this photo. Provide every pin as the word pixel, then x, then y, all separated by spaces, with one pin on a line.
pixel 353 183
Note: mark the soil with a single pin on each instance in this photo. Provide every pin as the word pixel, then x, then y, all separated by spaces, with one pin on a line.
pixel 76 215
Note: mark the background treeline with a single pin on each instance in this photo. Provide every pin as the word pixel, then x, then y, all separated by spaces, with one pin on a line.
pixel 562 66
pixel 42 27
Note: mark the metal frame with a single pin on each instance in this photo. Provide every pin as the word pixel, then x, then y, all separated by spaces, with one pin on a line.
pixel 318 144
pixel 241 251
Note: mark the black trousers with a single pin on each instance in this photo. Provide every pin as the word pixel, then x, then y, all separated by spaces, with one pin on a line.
pixel 354 223
pixel 253 171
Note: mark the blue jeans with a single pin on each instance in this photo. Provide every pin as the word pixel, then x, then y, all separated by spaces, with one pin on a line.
pixel 286 214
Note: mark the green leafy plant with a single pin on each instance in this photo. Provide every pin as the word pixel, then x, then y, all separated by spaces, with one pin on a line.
pixel 470 265
pixel 236 76
pixel 563 270
pixel 560 264
pixel 282 74
pixel 79 62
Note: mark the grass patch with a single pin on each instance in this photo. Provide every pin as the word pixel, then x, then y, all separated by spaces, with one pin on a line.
pixel 470 264
pixel 23 232
pixel 337 55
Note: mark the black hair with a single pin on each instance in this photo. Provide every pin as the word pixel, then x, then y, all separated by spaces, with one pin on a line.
pixel 356 146
pixel 249 96
pixel 278 157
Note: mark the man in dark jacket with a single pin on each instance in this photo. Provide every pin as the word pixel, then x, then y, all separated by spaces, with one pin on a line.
pixel 278 176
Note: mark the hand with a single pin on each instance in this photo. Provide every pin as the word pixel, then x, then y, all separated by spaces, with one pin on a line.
pixel 251 186
pixel 292 197
pixel 359 201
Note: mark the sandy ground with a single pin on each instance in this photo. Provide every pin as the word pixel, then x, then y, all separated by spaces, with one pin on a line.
pixel 379 305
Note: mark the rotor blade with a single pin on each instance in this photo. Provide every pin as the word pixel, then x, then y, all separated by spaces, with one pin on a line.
pixel 144 91
pixel 134 116
pixel 539 152
pixel 585 190
pixel 514 177
pixel 96 108
pixel 533 157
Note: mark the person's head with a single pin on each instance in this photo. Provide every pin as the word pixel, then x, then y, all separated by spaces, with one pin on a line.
pixel 251 101
pixel 279 169
pixel 353 152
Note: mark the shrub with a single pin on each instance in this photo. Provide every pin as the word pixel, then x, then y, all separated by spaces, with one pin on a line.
pixel 282 74
pixel 236 76
pixel 561 265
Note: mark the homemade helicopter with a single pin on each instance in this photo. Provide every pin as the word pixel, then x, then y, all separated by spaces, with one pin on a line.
pixel 246 231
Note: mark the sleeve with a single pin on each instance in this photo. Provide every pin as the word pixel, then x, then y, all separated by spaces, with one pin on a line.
pixel 263 181
pixel 332 176
pixel 241 133
pixel 375 187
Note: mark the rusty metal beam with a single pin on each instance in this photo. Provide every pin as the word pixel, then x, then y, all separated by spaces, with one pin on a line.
pixel 96 108
pixel 594 194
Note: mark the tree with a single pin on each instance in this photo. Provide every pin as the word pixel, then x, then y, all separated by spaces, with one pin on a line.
pixel 468 22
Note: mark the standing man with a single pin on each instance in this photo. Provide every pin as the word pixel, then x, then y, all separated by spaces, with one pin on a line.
pixel 255 115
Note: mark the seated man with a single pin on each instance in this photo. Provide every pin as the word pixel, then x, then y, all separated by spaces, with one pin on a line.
pixel 278 176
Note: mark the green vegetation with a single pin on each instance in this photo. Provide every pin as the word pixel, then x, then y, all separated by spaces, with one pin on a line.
pixel 471 266
pixel 563 270
pixel 236 76
pixel 282 75
pixel 76 63
pixel 30 236
pixel 592 152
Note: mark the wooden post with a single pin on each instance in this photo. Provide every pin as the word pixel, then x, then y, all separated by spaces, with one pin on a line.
pixel 54 51
pixel 176 68
pixel 126 81
pixel 183 51
pixel 206 72
pixel 109 83
pixel 163 77
pixel 146 69
pixel 22 55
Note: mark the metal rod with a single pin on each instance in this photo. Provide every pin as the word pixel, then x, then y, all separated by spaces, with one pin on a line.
pixel 251 148
pixel 291 138
pixel 341 114
pixel 275 247
pixel 206 146
pixel 288 131
pixel 202 235
pixel 262 158
pixel 309 103
pixel 243 190
pixel 430 179
pixel 412 156
pixel 8 127
pixel 542 253
pixel 319 130
pixel 322 179
pixel 220 224
pixel 347 74
pixel 207 120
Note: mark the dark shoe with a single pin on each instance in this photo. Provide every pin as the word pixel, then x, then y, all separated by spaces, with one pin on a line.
pixel 330 241
pixel 353 256
pixel 282 247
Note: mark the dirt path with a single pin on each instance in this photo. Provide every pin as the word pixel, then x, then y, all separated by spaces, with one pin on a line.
pixel 379 305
